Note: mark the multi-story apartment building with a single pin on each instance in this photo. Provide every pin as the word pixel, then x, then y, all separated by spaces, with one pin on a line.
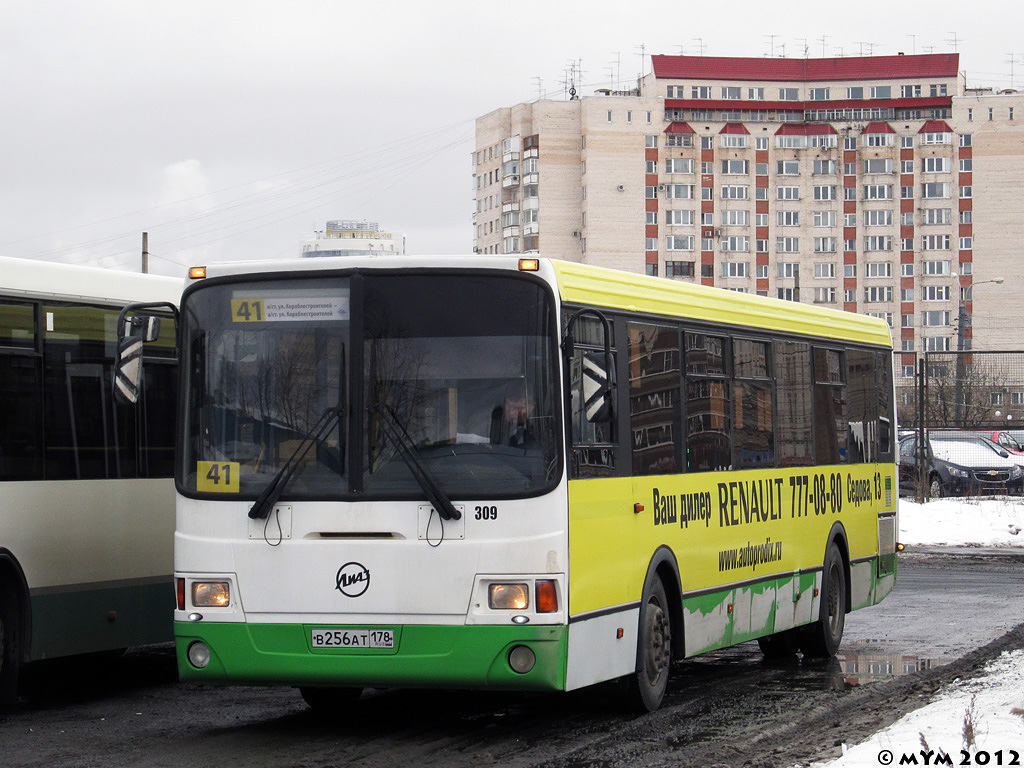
pixel 880 185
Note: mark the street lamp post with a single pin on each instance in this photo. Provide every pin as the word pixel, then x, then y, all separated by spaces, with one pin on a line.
pixel 961 343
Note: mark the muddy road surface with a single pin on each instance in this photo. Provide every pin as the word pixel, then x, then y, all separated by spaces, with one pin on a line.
pixel 948 616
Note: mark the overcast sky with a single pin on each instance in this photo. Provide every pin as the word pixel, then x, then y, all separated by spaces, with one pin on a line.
pixel 233 130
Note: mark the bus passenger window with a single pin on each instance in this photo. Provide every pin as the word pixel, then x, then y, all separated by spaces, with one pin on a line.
pixel 654 378
pixel 708 404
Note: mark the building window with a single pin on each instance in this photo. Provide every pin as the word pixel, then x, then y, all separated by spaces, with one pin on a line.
pixel 787 218
pixel 735 167
pixel 935 317
pixel 651 142
pixel 878 218
pixel 819 94
pixel 966 165
pixel 824 192
pixel 679 165
pixel 965 140
pixel 966 243
pixel 935 242
pixel 824 269
pixel 652 218
pixel 966 191
pixel 789 94
pixel 736 218
pixel 787 245
pixel 651 244
pixel 824 245
pixel 678 217
pixel 734 140
pixel 879 269
pixel 935 293
pixel 936 267
pixel 878 165
pixel 679 269
pixel 788 193
pixel 933 216
pixel 734 269
pixel 878 294
pixel 877 243
pixel 735 192
pixel 906 270
pixel 651 270
pixel 935 164
pixel 878 191
pixel 679 243
pixel 700 92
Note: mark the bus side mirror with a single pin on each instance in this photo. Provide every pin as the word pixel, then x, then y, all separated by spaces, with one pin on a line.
pixel 598 391
pixel 132 333
pixel 128 369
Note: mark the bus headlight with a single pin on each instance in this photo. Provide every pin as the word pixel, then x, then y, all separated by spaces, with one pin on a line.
pixel 508 597
pixel 211 594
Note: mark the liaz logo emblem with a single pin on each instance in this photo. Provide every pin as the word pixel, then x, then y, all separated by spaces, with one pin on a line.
pixel 352 580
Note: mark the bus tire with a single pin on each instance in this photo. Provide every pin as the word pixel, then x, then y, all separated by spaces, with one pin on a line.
pixel 646 687
pixel 822 638
pixel 10 651
pixel 327 700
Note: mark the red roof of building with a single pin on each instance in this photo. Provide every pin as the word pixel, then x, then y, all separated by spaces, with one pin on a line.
pixel 806 70
pixel 679 128
pixel 936 126
pixel 878 128
pixel 737 128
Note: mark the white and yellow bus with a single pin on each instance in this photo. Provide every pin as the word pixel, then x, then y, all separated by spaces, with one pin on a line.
pixel 86 496
pixel 524 474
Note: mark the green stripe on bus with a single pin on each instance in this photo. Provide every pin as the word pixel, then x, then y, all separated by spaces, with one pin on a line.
pixel 425 656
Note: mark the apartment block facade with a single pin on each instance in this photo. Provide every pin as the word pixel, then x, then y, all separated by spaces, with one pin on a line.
pixel 880 185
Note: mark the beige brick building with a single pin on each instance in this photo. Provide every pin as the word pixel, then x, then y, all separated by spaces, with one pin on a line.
pixel 880 185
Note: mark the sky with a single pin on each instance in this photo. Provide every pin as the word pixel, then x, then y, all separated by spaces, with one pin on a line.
pixel 989 707
pixel 233 130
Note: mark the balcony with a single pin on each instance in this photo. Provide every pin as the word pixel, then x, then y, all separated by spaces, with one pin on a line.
pixel 510 181
pixel 531 178
pixel 510 232
pixel 510 207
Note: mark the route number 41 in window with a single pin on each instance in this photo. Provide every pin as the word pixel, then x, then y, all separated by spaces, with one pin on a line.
pixel 248 311
pixel 217 476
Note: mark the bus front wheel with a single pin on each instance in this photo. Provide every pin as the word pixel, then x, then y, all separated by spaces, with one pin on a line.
pixel 822 638
pixel 646 686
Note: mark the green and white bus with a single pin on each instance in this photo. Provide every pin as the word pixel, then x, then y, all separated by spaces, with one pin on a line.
pixel 86 496
pixel 521 474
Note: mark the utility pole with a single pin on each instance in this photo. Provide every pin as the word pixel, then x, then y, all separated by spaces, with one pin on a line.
pixel 145 253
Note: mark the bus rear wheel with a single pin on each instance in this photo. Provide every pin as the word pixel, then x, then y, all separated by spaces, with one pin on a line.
pixel 646 687
pixel 327 700
pixel 822 638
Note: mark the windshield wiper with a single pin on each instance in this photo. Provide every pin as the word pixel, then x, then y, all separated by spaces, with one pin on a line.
pixel 396 433
pixel 268 498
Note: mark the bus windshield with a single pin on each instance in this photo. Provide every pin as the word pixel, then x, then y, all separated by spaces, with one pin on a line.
pixel 454 374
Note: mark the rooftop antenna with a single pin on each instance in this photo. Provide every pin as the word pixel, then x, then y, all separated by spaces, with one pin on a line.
pixel 954 41
pixel 1013 60
pixel 540 91
pixel 771 45
pixel 700 45
pixel 840 54
pixel 643 58
pixel 804 39
pixel 681 49
pixel 823 39
pixel 618 69
pixel 913 43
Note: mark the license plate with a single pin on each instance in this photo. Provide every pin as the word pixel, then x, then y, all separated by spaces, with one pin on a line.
pixel 353 638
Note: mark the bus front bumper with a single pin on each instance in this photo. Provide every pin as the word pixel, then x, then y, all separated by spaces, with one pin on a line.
pixel 423 656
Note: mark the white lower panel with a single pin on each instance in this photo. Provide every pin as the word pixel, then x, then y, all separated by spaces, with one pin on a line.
pixel 596 653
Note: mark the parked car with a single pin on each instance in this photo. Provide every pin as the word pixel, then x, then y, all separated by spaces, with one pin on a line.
pixel 1009 439
pixel 960 464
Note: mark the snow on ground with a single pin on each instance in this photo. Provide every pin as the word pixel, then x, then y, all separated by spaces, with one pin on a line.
pixel 985 715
